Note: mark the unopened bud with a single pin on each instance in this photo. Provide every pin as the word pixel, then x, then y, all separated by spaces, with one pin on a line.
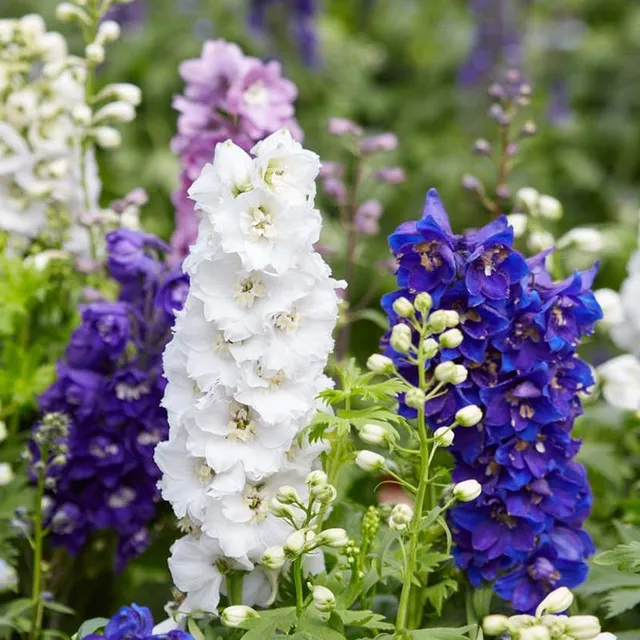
pixel 403 307
pixel 374 434
pixel 81 113
pixel 401 338
pixel 95 53
pixel 334 538
pixel 583 238
pixel 288 495
pixel 115 112
pixel 451 373
pixel 273 558
pixel 369 460
pixel 469 416
pixel 528 198
pixel 550 208
pixel 423 302
pixel 538 632
pixel 66 11
pixel 522 621
pixel 494 625
pixel 106 137
pixel 323 599
pixel 472 184
pixel 401 516
pixel 298 542
pixel 583 627
pixel 379 363
pixel 444 436
pixel 280 510
pixel 519 223
pixel 327 495
pixel 415 398
pixel 6 474
pixel 430 348
pixel 451 339
pixel 557 601
pixel 437 322
pixel 3 431
pixel 482 147
pixel 467 490
pixel 235 615
pixel 316 480
pixel 109 31
pixel 540 240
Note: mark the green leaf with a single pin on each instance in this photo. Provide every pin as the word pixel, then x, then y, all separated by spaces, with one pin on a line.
pixel 621 600
pixel 91 626
pixel 603 579
pixel 365 619
pixel 372 315
pixel 17 607
pixel 58 608
pixel 316 625
pixel 601 458
pixel 626 557
pixel 269 622
pixel 437 593
pixel 441 633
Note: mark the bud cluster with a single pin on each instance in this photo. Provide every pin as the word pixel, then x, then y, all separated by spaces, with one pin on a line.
pixel 545 624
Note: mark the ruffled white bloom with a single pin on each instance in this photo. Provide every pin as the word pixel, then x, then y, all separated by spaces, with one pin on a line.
pixel 245 365
pixel 620 378
pixel 41 157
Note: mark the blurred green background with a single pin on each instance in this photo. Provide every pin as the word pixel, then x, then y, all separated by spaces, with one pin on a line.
pixel 394 65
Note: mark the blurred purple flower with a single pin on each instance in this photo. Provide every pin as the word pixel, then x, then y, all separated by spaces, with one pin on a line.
pixel 302 18
pixel 130 16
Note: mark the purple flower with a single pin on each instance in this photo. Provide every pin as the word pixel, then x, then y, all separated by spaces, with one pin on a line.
pixel 104 334
pixel 129 16
pixel 130 622
pixel 520 331
pixel 109 387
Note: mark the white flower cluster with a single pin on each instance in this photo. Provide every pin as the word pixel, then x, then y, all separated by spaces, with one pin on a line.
pixel 48 175
pixel 245 364
pixel 620 376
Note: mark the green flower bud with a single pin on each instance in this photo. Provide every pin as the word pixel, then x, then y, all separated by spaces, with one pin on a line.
pixel 403 308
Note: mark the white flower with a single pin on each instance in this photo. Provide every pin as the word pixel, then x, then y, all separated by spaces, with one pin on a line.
pixel 369 460
pixel 6 473
pixel 582 238
pixel 285 168
pixel 188 479
pixel 323 599
pixel 620 379
pixel 8 577
pixel 519 222
pixel 611 304
pixel 266 230
pixel 229 175
pixel 243 523
pixel 557 601
pixel 198 567
pixel 245 366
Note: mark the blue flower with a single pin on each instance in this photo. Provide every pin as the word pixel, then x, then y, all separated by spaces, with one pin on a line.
pixel 520 333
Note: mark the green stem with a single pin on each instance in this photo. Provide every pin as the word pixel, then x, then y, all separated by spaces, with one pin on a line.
pixel 297 577
pixel 36 594
pixel 234 587
pixel 410 566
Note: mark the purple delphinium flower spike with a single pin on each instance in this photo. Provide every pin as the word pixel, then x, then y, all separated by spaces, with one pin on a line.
pixel 227 96
pixel 109 386
pixel 520 333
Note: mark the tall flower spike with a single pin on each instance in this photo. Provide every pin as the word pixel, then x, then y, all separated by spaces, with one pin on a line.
pixel 228 96
pixel 245 364
pixel 41 190
pixel 109 387
pixel 519 332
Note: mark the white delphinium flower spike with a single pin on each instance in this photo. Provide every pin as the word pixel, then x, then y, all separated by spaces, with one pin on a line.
pixel 245 366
